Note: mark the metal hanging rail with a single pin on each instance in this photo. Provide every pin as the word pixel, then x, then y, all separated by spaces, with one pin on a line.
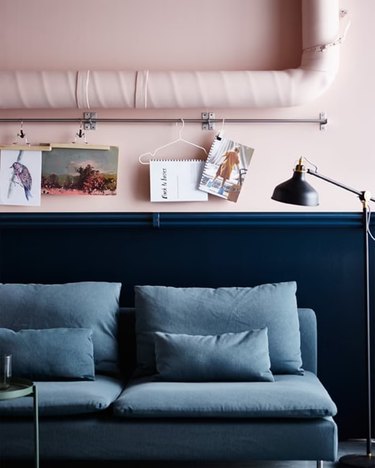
pixel 207 120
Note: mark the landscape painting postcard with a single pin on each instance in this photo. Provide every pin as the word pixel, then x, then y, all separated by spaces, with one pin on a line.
pixel 77 171
pixel 20 176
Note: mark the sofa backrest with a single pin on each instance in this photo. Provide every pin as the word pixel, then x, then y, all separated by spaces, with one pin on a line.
pixel 127 339
pixel 82 304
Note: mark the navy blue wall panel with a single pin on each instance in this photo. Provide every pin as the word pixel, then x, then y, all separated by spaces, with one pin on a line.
pixel 322 252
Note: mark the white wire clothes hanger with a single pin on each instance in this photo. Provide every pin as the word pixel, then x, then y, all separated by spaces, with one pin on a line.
pixel 152 154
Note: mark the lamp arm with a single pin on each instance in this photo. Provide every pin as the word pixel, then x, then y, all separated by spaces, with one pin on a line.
pixel 361 194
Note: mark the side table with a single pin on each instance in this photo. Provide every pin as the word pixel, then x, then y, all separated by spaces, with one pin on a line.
pixel 20 388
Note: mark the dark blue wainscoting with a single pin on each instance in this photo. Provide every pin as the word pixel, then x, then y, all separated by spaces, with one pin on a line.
pixel 323 252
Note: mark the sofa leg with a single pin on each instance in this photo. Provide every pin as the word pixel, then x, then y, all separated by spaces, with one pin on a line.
pixel 319 464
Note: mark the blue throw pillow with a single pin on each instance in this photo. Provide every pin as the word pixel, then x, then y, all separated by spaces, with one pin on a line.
pixel 210 311
pixel 50 354
pixel 90 304
pixel 228 357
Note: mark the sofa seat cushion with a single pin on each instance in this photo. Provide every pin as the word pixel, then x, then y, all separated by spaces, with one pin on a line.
pixel 290 396
pixel 66 398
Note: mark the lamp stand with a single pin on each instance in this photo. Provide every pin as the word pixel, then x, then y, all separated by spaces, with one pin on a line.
pixel 298 192
pixel 367 460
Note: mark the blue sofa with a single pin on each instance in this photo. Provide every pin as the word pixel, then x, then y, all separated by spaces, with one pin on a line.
pixel 132 396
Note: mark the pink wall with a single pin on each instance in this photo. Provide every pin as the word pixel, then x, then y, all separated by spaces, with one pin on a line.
pixel 196 35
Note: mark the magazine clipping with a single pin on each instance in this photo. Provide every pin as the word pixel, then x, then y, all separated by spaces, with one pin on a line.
pixel 225 169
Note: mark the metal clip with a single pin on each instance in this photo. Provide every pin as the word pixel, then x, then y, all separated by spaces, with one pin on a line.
pixel 80 134
pixel 22 135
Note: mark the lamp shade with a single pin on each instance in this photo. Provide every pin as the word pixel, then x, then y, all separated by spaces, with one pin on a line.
pixel 296 191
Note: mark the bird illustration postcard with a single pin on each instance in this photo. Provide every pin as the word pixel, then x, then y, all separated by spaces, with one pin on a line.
pixel 225 169
pixel 20 177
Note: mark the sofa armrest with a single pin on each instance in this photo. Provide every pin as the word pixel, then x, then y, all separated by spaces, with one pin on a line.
pixel 309 347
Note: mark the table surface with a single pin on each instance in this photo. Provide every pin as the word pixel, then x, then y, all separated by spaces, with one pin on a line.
pixel 17 389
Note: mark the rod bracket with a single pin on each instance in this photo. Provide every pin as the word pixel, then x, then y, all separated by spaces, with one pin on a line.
pixel 207 124
pixel 323 121
pixel 89 120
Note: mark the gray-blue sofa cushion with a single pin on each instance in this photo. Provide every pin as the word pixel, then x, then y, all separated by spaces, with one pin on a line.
pixel 67 398
pixel 50 354
pixel 208 311
pixel 240 356
pixel 88 304
pixel 290 396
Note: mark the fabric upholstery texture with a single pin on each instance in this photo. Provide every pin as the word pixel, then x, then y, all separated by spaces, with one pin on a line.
pixel 71 305
pixel 50 354
pixel 208 311
pixel 290 396
pixel 58 398
pixel 227 357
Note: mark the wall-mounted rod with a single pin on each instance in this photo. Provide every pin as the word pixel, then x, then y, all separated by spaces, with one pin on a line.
pixel 150 120
pixel 87 122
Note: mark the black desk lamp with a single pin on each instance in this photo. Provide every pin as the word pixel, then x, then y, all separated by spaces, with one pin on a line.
pixel 297 191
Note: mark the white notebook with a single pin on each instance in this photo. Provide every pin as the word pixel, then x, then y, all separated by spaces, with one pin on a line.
pixel 173 180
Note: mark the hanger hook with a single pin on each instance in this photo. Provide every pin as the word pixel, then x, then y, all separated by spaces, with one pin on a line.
pixel 181 128
pixel 222 126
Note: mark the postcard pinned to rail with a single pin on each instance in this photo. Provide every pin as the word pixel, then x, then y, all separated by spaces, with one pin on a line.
pixel 75 170
pixel 20 177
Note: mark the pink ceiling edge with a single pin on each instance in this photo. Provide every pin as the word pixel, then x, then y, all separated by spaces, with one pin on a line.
pixel 90 89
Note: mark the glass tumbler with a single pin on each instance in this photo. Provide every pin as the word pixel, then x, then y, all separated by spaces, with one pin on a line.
pixel 5 371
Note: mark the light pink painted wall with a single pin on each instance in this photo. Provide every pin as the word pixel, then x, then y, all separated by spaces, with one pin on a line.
pixel 199 35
